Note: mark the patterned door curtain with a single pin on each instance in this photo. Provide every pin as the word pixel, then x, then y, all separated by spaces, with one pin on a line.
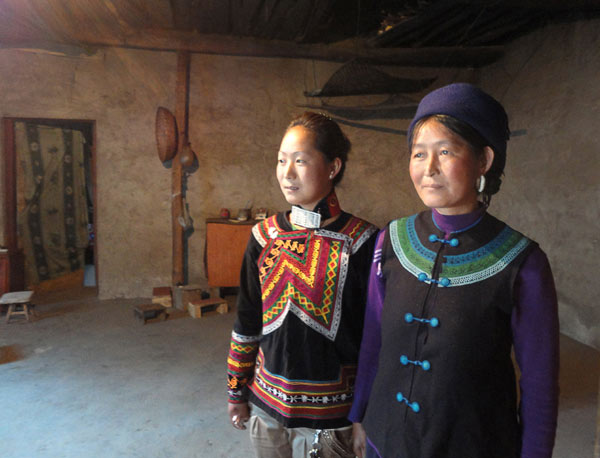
pixel 51 200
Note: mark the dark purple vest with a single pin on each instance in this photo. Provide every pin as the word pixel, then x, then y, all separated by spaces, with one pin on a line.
pixel 446 385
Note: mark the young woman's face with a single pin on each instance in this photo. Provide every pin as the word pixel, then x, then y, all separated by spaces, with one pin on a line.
pixel 304 174
pixel 444 170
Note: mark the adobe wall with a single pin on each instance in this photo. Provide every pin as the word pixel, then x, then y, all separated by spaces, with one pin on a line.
pixel 239 108
pixel 549 84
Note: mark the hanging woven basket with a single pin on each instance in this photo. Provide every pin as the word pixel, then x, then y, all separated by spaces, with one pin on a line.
pixel 166 134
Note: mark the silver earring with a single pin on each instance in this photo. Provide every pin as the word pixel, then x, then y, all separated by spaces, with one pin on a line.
pixel 481 185
pixel 331 176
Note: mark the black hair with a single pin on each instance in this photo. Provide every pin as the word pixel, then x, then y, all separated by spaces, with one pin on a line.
pixel 476 143
pixel 329 138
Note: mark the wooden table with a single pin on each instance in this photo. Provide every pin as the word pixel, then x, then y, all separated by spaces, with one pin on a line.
pixel 226 242
pixel 16 300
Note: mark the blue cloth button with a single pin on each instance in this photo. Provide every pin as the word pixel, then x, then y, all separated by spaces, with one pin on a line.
pixel 426 365
pixel 445 281
pixel 433 322
pixel 413 405
pixel 404 360
pixel 422 276
pixel 452 242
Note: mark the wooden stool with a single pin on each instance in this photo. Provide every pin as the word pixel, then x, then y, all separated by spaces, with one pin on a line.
pixel 15 300
pixel 195 308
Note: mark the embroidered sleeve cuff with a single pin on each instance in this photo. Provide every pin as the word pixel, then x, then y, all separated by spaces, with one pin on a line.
pixel 240 365
pixel 236 392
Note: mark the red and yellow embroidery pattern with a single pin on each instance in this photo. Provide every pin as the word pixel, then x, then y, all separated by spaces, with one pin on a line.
pixel 304 399
pixel 304 271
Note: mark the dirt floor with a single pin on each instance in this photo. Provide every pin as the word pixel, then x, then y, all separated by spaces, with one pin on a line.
pixel 88 379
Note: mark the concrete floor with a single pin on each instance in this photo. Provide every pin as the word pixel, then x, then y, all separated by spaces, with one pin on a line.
pixel 86 379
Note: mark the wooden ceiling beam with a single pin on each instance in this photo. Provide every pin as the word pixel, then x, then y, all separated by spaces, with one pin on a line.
pixel 539 4
pixel 173 40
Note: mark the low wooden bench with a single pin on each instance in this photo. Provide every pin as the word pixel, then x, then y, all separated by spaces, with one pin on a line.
pixel 195 308
pixel 149 311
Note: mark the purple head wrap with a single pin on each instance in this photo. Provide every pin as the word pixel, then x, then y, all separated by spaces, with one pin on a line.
pixel 472 106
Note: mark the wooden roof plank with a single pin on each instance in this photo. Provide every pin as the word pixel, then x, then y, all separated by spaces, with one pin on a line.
pixel 173 40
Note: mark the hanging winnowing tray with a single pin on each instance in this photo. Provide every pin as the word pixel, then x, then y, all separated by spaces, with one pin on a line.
pixel 395 107
pixel 356 78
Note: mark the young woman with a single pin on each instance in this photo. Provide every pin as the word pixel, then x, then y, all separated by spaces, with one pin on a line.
pixel 294 346
pixel 452 290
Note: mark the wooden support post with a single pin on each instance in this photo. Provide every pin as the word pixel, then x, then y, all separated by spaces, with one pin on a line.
pixel 10 186
pixel 181 115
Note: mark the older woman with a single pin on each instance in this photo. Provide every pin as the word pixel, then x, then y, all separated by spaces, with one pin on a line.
pixel 452 290
pixel 294 346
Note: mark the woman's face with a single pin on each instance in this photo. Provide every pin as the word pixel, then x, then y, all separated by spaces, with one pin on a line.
pixel 444 170
pixel 304 174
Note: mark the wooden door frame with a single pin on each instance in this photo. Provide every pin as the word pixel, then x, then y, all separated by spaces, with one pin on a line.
pixel 10 178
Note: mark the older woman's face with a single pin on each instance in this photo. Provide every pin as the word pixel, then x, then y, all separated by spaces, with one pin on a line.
pixel 304 174
pixel 444 170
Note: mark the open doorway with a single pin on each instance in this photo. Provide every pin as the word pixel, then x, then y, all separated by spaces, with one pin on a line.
pixel 50 219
